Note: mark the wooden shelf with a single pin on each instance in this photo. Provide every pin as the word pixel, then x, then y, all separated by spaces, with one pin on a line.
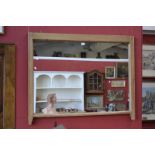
pixel 41 101
pixel 117 78
pixel 149 121
pixel 148 76
pixel 63 114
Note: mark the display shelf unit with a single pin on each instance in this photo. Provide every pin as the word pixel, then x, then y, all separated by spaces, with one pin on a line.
pixel 68 87
pixel 58 82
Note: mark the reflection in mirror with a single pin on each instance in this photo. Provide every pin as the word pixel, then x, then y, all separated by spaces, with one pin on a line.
pixel 70 49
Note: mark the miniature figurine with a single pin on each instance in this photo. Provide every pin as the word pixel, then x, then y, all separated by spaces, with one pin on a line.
pixel 83 55
pixel 51 101
pixel 98 55
pixel 111 107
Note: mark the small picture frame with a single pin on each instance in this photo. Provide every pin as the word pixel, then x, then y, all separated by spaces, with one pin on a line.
pixel 148 101
pixel 122 70
pixel 118 83
pixel 121 106
pixel 110 72
pixel 94 101
pixel 1 29
pixel 116 95
pixel 148 61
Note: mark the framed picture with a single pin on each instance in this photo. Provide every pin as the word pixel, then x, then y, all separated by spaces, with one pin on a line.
pixel 148 61
pixel 1 29
pixel 94 101
pixel 116 95
pixel 121 107
pixel 122 70
pixel 148 101
pixel 110 72
pixel 118 83
pixel 116 107
pixel 149 30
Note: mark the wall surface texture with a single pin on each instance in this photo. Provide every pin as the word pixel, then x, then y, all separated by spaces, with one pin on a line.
pixel 19 36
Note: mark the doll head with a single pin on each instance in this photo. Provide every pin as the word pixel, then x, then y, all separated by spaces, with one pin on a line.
pixel 51 98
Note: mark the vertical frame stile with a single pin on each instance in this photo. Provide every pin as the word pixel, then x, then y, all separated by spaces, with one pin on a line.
pixel 9 86
pixel 30 79
pixel 132 78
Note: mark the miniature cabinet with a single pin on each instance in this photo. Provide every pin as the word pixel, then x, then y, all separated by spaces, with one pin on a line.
pixel 94 91
pixel 68 87
pixel 94 82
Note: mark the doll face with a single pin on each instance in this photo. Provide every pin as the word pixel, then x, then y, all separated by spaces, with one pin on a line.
pixel 53 99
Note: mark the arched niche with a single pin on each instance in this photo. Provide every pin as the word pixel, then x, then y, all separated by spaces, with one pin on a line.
pixel 59 81
pixel 74 81
pixel 43 81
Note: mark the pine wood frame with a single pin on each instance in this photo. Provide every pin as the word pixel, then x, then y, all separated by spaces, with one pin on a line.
pixel 80 37
pixel 9 56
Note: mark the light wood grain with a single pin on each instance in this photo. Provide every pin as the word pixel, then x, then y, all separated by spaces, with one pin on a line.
pixel 9 91
pixel 132 78
pixel 82 114
pixel 1 91
pixel 30 80
pixel 81 37
pixel 8 51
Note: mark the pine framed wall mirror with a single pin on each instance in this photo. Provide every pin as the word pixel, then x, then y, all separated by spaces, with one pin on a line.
pixel 80 75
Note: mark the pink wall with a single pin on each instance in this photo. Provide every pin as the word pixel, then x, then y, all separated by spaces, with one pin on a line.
pixel 19 36
pixel 149 39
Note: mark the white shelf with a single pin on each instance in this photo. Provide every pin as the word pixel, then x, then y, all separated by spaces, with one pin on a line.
pixel 80 59
pixel 61 100
pixel 58 88
pixel 44 88
pixel 68 87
